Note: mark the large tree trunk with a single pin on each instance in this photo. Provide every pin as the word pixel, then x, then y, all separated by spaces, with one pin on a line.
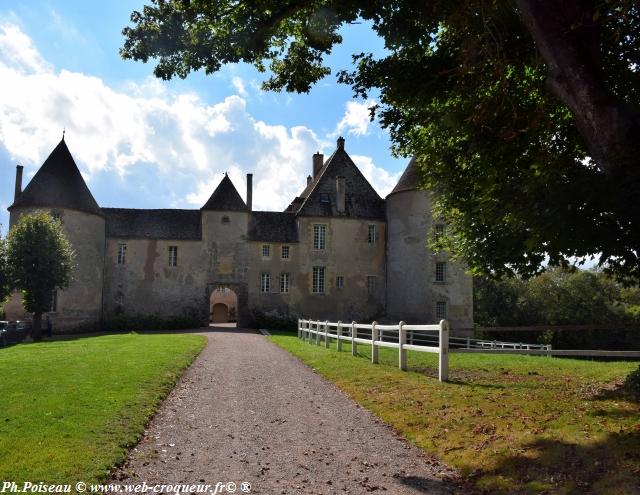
pixel 569 41
pixel 36 329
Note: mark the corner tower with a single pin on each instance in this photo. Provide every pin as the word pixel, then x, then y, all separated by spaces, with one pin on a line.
pixel 58 188
pixel 422 286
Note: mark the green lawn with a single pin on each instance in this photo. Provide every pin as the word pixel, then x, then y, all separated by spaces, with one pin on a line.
pixel 71 409
pixel 510 424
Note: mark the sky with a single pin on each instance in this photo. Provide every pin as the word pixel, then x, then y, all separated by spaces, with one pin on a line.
pixel 145 143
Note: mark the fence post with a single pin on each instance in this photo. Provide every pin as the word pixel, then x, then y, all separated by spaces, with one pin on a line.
pixel 468 342
pixel 443 354
pixel 374 347
pixel 354 344
pixel 402 340
pixel 339 335
pixel 326 333
pixel 299 328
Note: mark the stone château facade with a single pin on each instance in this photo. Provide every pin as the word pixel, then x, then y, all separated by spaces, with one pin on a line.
pixel 339 252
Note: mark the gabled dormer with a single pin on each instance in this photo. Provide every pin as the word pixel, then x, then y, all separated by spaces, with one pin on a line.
pixel 338 189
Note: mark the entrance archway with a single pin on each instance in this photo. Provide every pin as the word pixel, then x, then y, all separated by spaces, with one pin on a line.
pixel 223 305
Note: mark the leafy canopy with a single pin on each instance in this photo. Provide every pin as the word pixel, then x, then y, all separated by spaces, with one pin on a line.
pixel 464 88
pixel 4 272
pixel 40 259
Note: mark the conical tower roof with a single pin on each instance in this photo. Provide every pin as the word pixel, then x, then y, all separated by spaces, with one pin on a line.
pixel 410 178
pixel 225 198
pixel 58 183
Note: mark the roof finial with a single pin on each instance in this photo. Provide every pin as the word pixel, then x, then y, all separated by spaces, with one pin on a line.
pixel 340 143
pixel 64 129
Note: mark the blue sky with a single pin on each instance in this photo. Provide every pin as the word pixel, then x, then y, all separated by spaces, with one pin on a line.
pixel 145 143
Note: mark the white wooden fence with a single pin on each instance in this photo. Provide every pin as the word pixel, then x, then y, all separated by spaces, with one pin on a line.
pixel 426 338
pixel 396 337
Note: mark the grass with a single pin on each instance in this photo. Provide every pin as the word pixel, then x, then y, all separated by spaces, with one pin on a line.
pixel 71 409
pixel 509 424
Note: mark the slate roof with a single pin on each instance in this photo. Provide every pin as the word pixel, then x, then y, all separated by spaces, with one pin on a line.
pixel 272 226
pixel 183 225
pixel 410 179
pixel 319 197
pixel 59 183
pixel 225 197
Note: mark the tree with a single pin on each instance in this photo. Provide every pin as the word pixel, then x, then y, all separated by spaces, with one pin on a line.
pixel 523 115
pixel 4 272
pixel 40 260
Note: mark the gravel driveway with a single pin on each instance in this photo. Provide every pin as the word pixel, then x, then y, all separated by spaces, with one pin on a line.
pixel 247 410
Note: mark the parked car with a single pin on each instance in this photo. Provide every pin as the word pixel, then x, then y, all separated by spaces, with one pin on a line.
pixel 13 332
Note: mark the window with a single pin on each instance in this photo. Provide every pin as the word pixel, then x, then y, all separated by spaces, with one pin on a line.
pixel 54 301
pixel 266 251
pixel 438 231
pixel 339 281
pixel 122 252
pixel 371 284
pixel 225 219
pixel 319 236
pixel 372 236
pixel 265 282
pixel 173 255
pixel 318 280
pixel 441 310
pixel 284 254
pixel 441 271
pixel 284 282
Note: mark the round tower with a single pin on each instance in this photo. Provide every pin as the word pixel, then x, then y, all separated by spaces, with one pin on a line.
pixel 58 187
pixel 422 286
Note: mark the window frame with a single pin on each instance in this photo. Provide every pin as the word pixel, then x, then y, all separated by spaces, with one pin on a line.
pixel 441 310
pixel 318 280
pixel 266 248
pixel 319 241
pixel 339 281
pixel 372 233
pixel 288 251
pixel 372 284
pixel 285 281
pixel 121 255
pixel 440 276
pixel 173 256
pixel 265 282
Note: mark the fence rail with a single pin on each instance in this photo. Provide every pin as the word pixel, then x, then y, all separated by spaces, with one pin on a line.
pixel 426 338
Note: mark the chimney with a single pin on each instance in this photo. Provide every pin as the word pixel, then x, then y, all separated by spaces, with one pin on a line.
pixel 341 189
pixel 340 143
pixel 249 191
pixel 318 161
pixel 309 179
pixel 18 190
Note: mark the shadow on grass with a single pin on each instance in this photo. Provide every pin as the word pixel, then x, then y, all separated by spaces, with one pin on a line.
pixel 611 465
pixel 431 485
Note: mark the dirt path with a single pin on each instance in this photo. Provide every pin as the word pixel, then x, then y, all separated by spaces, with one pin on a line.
pixel 246 410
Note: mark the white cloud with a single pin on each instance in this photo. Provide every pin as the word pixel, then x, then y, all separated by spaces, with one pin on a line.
pixel 356 119
pixel 18 49
pixel 239 86
pixel 380 179
pixel 173 147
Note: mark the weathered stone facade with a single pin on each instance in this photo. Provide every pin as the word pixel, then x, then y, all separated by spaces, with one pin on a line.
pixel 338 252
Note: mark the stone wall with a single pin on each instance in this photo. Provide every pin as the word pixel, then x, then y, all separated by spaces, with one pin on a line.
pixel 412 291
pixel 80 305
pixel 347 254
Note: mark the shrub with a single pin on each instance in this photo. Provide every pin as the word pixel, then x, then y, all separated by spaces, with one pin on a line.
pixel 128 323
pixel 273 320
